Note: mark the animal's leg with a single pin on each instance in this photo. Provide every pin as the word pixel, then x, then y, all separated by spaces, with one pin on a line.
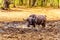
pixel 43 25
pixel 28 25
pixel 34 25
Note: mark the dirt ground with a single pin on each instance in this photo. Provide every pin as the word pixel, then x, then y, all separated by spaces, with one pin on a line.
pixel 50 32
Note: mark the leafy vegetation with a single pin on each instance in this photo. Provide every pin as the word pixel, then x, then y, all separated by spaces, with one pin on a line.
pixel 32 3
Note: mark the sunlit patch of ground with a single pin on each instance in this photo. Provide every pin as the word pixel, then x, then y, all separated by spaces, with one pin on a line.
pixel 17 14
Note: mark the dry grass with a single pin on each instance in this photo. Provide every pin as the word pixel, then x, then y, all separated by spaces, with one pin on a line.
pixel 17 14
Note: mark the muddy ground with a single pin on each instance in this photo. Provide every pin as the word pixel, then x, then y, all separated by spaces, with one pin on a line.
pixel 19 31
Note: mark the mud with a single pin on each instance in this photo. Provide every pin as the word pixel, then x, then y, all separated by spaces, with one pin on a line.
pixel 11 31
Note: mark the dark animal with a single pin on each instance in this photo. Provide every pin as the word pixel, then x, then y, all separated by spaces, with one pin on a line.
pixel 31 20
pixel 36 20
pixel 41 20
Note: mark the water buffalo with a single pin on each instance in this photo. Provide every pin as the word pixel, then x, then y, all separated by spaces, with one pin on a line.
pixel 36 20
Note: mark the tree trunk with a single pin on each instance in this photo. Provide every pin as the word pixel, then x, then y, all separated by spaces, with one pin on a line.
pixel 58 3
pixel 14 4
pixel 22 2
pixel 30 2
pixel 6 4
pixel 33 2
